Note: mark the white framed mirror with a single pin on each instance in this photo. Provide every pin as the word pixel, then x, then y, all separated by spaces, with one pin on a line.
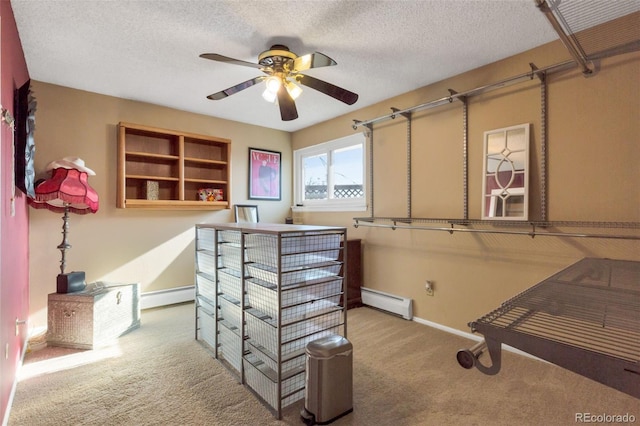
pixel 505 179
pixel 246 213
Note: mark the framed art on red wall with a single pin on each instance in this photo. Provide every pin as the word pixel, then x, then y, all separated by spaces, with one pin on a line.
pixel 265 179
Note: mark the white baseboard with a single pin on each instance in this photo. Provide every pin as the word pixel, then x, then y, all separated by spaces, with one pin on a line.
pixel 471 336
pixel 7 412
pixel 154 299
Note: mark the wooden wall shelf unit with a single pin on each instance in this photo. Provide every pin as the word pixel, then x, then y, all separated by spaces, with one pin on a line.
pixel 165 169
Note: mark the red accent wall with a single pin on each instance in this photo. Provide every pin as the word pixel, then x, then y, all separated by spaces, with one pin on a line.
pixel 14 226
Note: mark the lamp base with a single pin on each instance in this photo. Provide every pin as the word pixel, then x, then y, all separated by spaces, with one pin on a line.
pixel 71 282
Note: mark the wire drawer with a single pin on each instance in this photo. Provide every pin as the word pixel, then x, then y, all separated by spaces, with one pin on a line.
pixel 296 251
pixel 206 286
pixel 230 312
pixel 297 301
pixel 230 256
pixel 295 276
pixel 206 326
pixel 230 283
pixel 264 381
pixel 205 239
pixel 293 361
pixel 226 236
pixel 230 346
pixel 294 336
pixel 205 262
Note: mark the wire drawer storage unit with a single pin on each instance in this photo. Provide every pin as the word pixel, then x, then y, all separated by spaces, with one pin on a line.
pixel 585 318
pixel 219 294
pixel 277 288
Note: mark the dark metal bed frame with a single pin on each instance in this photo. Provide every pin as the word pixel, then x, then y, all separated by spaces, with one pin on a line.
pixel 585 318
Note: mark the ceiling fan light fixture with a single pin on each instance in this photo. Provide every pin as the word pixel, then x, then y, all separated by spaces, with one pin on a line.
pixel 269 96
pixel 284 79
pixel 273 84
pixel 293 89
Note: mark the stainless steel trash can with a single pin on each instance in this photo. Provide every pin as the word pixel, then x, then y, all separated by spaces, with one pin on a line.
pixel 329 380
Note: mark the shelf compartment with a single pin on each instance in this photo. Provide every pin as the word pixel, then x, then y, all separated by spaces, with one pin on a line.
pixel 294 336
pixel 205 171
pixel 136 187
pixel 150 143
pixel 152 167
pixel 199 149
pixel 264 381
pixel 192 188
pixel 297 302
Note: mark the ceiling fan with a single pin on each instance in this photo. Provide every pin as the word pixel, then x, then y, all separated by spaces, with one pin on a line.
pixel 283 75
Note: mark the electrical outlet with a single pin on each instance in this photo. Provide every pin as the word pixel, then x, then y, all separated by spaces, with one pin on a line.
pixel 429 288
pixel 6 351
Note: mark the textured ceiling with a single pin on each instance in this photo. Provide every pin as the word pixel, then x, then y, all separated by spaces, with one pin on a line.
pixel 149 50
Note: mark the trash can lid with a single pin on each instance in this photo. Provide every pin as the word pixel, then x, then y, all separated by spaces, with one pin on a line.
pixel 328 346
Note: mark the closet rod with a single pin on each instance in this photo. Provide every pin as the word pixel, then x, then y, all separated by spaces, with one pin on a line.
pixel 569 41
pixel 532 233
pixel 478 90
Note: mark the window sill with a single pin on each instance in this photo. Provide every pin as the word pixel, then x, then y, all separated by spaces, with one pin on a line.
pixel 329 208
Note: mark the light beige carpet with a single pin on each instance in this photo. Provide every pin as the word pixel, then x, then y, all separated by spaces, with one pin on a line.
pixel 404 373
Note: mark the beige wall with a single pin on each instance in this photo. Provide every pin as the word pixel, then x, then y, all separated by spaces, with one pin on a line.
pixel 154 248
pixel 593 157
pixel 593 175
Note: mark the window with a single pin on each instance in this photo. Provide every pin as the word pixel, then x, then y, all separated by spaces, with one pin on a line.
pixel 330 176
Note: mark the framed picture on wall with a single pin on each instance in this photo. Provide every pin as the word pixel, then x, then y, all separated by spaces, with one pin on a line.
pixel 265 178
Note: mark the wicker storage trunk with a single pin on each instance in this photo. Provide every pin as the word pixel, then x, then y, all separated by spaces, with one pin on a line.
pixel 94 317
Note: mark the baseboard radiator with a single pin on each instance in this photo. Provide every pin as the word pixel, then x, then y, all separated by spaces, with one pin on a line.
pixel 391 303
pixel 154 299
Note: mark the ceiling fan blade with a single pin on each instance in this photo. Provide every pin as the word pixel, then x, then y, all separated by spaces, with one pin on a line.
pixel 235 89
pixel 312 60
pixel 335 92
pixel 220 58
pixel 288 110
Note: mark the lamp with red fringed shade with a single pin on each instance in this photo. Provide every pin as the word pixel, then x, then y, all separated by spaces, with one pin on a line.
pixel 67 190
